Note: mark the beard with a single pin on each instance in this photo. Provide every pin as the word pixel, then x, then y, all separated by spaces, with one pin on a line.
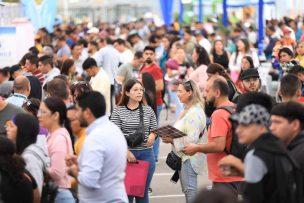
pixel 149 61
pixel 209 109
pixel 210 102
pixel 83 123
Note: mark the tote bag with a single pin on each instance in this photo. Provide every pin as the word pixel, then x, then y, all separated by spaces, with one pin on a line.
pixel 136 178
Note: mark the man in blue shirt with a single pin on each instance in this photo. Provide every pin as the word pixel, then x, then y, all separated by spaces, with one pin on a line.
pixel 22 89
pixel 100 168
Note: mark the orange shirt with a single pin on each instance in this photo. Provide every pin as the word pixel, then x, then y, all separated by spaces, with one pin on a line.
pixel 301 99
pixel 220 127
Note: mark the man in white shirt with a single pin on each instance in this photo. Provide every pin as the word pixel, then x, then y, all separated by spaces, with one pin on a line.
pixel 125 54
pixel 92 49
pixel 100 168
pixel 76 56
pixel 46 66
pixel 99 82
pixel 202 41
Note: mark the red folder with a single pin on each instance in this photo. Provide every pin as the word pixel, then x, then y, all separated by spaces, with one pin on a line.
pixel 136 178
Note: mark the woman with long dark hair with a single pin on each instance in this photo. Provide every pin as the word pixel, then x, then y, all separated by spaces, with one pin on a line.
pixel 243 49
pixel 246 63
pixel 23 131
pixel 127 116
pixel 201 60
pixel 69 69
pixel 219 54
pixel 150 91
pixel 52 116
pixel 16 185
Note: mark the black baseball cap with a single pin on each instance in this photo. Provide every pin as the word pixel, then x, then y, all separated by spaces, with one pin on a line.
pixel 249 73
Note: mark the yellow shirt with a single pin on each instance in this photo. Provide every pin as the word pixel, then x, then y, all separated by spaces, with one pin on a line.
pixel 301 60
pixel 78 146
pixel 79 142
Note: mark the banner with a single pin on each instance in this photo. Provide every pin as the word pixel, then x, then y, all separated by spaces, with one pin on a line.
pixel 8 46
pixel 41 15
pixel 15 41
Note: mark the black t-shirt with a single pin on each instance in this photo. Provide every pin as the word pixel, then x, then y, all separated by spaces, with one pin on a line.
pixel 17 193
pixel 221 59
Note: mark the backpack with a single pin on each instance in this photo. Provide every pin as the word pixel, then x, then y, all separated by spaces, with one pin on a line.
pixel 285 176
pixel 236 149
pixel 289 179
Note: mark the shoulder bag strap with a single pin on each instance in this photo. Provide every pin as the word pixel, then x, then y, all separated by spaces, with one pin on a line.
pixel 141 115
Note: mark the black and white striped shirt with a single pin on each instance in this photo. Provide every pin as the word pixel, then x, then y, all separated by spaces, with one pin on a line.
pixel 128 121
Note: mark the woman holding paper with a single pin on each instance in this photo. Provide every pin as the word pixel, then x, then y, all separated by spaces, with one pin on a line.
pixel 192 122
pixel 127 116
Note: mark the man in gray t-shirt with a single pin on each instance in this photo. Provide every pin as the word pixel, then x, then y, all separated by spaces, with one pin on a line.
pixel 130 70
pixel 7 111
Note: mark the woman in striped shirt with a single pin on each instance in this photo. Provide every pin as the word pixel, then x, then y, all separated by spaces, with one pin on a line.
pixel 127 117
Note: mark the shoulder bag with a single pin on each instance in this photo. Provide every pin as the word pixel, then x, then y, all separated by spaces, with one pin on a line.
pixel 138 137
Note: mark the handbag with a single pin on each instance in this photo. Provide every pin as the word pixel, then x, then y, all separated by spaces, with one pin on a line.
pixel 137 138
pixel 136 178
pixel 174 161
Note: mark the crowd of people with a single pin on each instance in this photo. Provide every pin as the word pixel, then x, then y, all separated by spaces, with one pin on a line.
pixel 84 102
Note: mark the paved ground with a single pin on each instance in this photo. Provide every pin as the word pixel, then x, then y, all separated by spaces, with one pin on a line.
pixel 163 190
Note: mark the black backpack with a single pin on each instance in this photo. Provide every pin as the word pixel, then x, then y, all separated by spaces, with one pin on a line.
pixel 285 175
pixel 236 149
pixel 289 178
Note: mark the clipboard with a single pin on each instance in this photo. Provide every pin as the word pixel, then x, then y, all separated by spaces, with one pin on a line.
pixel 170 131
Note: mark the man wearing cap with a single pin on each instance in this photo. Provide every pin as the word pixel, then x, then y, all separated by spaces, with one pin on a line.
pixel 93 33
pixel 250 79
pixel 201 40
pixel 262 163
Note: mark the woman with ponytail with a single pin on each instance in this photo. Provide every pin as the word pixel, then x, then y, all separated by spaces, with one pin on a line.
pixel 52 116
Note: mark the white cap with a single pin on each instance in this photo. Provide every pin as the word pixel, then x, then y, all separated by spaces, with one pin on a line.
pixel 93 30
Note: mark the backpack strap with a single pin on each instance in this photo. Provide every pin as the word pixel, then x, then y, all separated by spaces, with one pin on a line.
pixel 38 157
pixel 229 109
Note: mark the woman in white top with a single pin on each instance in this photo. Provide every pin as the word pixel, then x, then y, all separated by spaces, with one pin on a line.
pixel 235 61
